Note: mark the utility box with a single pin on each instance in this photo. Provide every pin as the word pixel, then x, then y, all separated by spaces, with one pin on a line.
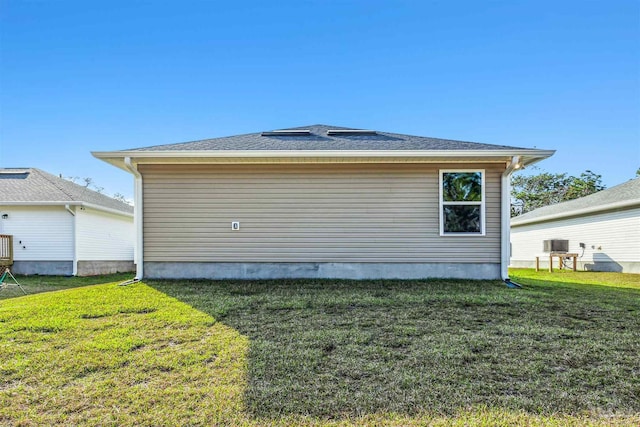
pixel 555 245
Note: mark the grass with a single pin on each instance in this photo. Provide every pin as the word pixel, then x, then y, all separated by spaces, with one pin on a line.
pixel 111 355
pixel 441 352
pixel 618 280
pixel 35 284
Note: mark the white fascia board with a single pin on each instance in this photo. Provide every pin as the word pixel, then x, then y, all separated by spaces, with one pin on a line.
pixel 105 209
pixel 578 212
pixel 69 203
pixel 322 153
pixel 52 203
pixel 116 158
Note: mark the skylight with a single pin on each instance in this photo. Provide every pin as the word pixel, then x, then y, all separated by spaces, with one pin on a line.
pixel 13 171
pixel 351 132
pixel 291 132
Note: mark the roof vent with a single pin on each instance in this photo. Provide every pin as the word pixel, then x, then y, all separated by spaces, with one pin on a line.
pixel 351 132
pixel 292 132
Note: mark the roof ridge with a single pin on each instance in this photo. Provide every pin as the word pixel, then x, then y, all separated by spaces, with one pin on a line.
pixel 44 174
pixel 58 181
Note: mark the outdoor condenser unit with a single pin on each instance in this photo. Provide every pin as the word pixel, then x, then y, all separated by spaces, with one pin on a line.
pixel 556 245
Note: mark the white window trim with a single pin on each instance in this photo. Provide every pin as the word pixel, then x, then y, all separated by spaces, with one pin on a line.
pixel 482 203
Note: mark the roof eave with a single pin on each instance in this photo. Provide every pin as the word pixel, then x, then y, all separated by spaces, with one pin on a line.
pixel 67 203
pixel 116 158
pixel 516 222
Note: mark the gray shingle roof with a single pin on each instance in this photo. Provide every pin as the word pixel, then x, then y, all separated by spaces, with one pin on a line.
pixel 600 201
pixel 318 139
pixel 35 185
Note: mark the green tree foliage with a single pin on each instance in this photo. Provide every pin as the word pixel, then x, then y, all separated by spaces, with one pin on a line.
pixel 535 191
pixel 462 186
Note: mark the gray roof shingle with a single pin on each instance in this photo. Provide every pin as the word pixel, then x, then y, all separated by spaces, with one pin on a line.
pixel 35 185
pixel 604 199
pixel 318 139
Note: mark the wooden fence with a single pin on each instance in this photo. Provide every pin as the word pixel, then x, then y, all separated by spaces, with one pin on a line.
pixel 6 250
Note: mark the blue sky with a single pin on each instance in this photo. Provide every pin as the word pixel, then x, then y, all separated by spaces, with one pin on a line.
pixel 78 76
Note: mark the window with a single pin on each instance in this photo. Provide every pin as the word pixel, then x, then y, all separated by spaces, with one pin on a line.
pixel 462 202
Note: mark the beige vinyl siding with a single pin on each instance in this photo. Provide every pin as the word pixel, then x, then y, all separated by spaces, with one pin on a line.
pixel 308 213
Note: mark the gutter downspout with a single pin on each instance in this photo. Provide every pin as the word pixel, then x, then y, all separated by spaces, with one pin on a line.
pixel 505 211
pixel 74 267
pixel 137 218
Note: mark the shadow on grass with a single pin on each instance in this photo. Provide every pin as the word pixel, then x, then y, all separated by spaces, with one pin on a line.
pixel 35 284
pixel 335 349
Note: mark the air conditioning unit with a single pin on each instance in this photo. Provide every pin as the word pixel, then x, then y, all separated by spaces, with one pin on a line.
pixel 556 245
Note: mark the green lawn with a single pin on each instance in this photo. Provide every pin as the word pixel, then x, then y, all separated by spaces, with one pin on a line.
pixel 562 351
pixel 37 284
pixel 619 280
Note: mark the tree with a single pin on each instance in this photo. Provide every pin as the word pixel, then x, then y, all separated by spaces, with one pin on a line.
pixel 587 183
pixel 532 192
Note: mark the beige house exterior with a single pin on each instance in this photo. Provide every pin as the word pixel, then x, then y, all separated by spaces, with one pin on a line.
pixel 322 201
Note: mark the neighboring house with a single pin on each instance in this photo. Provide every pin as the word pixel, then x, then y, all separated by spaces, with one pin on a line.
pixel 59 227
pixel 322 201
pixel 606 223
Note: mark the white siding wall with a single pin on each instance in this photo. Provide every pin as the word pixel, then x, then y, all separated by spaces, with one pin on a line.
pixel 612 236
pixel 104 236
pixel 46 233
